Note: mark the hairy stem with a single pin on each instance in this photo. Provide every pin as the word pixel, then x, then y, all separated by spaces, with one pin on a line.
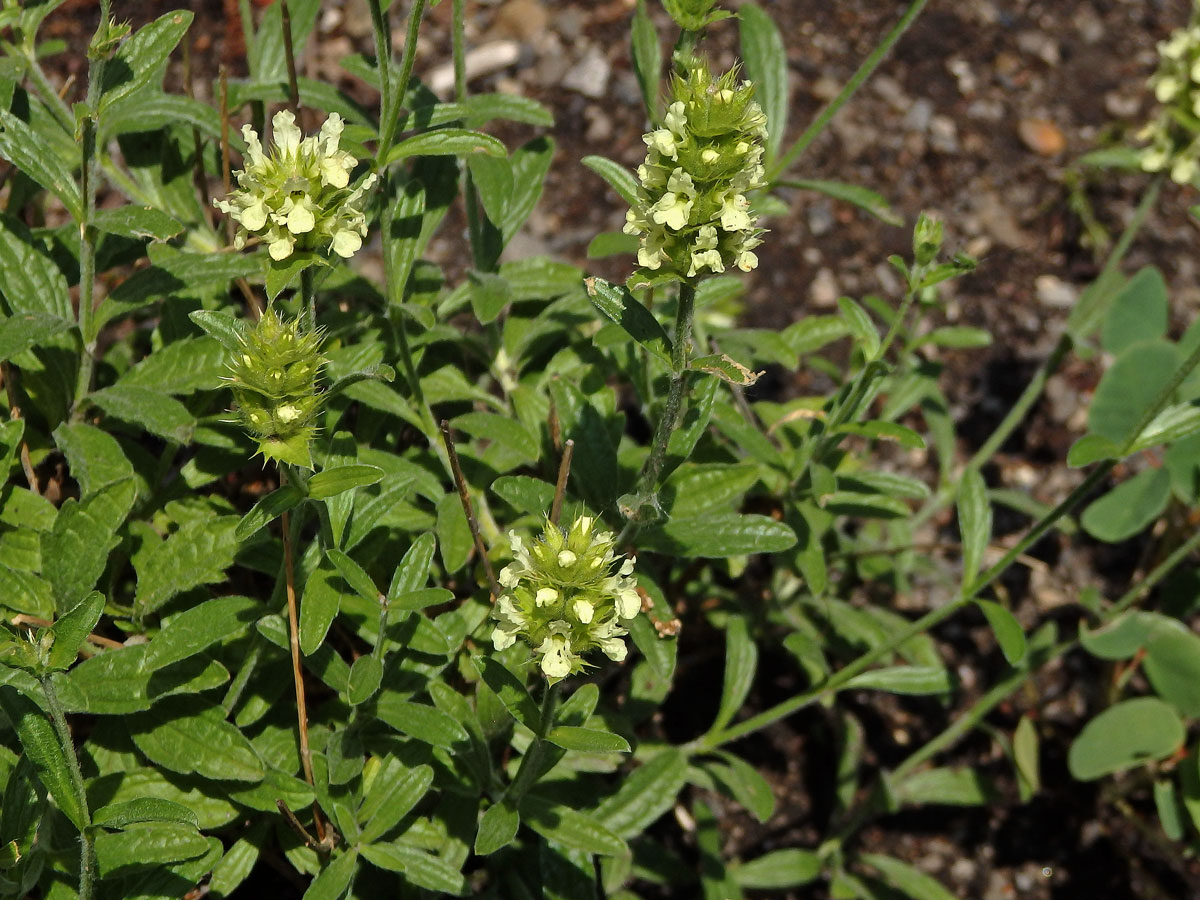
pixel 527 773
pixel 87 852
pixel 679 361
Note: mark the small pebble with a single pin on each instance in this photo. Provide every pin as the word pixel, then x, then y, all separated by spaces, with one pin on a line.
pixel 1042 136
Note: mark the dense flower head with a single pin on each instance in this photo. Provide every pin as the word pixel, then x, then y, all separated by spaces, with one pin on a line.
pixel 274 380
pixel 1174 135
pixel 692 215
pixel 562 596
pixel 298 196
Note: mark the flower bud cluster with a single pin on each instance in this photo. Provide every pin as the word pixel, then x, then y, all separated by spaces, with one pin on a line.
pixel 274 380
pixel 1174 135
pixel 692 214
pixel 562 597
pixel 297 197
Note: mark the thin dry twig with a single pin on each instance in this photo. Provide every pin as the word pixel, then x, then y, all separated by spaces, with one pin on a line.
pixel 289 53
pixel 560 487
pixel 297 672
pixel 99 641
pixel 468 508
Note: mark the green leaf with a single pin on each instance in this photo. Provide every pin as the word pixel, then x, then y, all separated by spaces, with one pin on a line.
pixel 281 273
pixel 117 682
pixel 766 64
pixel 975 524
pixel 394 793
pixel 524 493
pixel 503 430
pixel 147 845
pixel 861 327
pixel 510 690
pixel 453 532
pixel 887 431
pixel 617 304
pixel 72 630
pixel 83 534
pixel 266 510
pixel 946 786
pixel 719 535
pixel 447 142
pixel 865 199
pixel 914 680
pixel 423 723
pixel 198 553
pixel 24 330
pixel 726 368
pixel 333 881
pixel 198 628
pixel 158 413
pixel 222 327
pixel 741 662
pixel 354 575
pixel 779 869
pixel 192 737
pixel 741 781
pixel 1092 448
pixel 1138 313
pixel 647 58
pixel 32 283
pixel 1025 757
pixel 1008 631
pixel 1130 387
pixel 319 605
pixel 413 571
pixel 1172 664
pixel 416 867
pixel 497 828
pixel 41 746
pixel 1129 507
pixel 137 222
pixel 26 149
pixel 910 881
pixel 1172 424
pixel 812 333
pixel 645 795
pixel 143 58
pixel 570 827
pixel 366 673
pixel 587 740
pixel 616 175
pixel 144 809
pixel 1128 734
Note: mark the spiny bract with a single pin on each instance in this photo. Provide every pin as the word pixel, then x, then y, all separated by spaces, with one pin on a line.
pixel 297 197
pixel 692 213
pixel 274 380
pixel 562 597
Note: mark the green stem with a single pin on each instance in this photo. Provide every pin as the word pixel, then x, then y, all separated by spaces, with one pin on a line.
pixel 684 315
pixel 57 106
pixel 308 296
pixel 383 62
pixel 1033 391
pixel 869 65
pixel 458 28
pixel 87 853
pixel 391 116
pixel 527 773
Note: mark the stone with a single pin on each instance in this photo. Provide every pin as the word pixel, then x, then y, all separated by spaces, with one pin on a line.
pixel 590 75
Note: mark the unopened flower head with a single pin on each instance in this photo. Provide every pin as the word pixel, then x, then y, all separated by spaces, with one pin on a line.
pixel 298 196
pixel 274 380
pixel 1174 134
pixel 565 594
pixel 692 214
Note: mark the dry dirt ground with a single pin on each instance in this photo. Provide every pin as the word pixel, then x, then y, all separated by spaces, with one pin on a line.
pixel 978 116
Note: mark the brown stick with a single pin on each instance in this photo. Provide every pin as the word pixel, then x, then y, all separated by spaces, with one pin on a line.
pixel 297 825
pixel 297 672
pixel 22 619
pixel 465 498
pixel 560 487
pixel 555 426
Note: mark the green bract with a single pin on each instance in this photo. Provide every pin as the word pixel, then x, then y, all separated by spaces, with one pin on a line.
pixel 1175 134
pixel 274 381
pixel 692 213
pixel 562 597
pixel 298 196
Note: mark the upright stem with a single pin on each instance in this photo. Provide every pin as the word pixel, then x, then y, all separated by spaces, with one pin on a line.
pixel 289 55
pixel 87 852
pixel 679 362
pixel 460 55
pixel 297 672
pixel 869 65
pixel 527 773
pixel 308 294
